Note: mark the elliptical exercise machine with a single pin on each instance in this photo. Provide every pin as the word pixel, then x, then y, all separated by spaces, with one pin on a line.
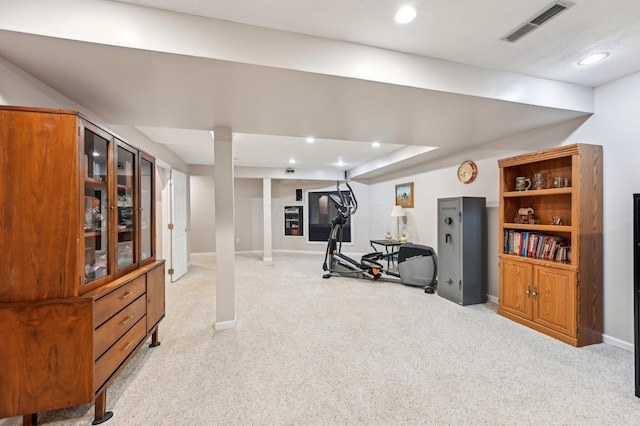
pixel 335 262
pixel 417 264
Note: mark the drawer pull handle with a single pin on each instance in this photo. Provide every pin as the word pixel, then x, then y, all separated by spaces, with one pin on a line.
pixel 126 320
pixel 127 346
pixel 127 294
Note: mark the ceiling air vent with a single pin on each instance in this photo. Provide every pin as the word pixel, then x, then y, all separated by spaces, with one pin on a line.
pixel 537 20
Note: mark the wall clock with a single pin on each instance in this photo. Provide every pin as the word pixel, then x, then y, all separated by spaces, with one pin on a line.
pixel 467 171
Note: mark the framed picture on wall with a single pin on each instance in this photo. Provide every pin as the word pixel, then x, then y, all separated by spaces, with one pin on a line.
pixel 404 195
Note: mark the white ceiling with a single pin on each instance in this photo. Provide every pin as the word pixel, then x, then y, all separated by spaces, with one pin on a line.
pixel 176 97
pixel 462 31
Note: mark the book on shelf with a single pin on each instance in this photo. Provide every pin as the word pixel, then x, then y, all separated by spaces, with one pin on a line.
pixel 536 245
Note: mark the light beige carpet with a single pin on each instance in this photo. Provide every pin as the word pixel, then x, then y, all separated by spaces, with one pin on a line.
pixel 343 351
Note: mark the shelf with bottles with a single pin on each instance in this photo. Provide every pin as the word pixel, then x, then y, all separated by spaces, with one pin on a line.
pixel 95 262
pixel 550 174
pixel 93 216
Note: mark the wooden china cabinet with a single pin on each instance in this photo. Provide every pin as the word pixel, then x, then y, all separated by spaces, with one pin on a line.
pixel 551 242
pixel 81 290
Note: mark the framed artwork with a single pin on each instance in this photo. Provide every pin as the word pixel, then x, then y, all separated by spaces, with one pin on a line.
pixel 404 195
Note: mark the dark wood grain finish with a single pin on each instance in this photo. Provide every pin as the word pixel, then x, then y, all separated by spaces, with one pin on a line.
pixel 46 355
pixel 155 296
pixel 112 302
pixel 107 333
pixel 109 362
pixel 64 341
pixel 40 195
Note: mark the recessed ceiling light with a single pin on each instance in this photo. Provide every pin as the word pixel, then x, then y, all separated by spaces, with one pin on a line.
pixel 405 15
pixel 375 144
pixel 592 59
pixel 340 163
pixel 292 161
pixel 310 140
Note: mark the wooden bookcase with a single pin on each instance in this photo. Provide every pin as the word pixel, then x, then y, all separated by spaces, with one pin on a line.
pixel 81 289
pixel 559 295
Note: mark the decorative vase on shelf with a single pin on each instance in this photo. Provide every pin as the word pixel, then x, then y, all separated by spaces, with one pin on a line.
pixel 403 239
pixel 388 236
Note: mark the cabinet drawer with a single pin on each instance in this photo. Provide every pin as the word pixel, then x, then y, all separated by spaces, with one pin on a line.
pixel 108 305
pixel 119 324
pixel 109 362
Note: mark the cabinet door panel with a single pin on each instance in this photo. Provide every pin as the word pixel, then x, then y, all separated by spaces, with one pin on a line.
pixel 555 299
pixel 155 296
pixel 515 288
pixel 127 209
pixel 46 358
pixel 38 224
pixel 147 237
pixel 97 150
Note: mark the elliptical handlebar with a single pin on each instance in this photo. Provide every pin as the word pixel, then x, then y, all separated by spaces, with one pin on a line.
pixel 349 202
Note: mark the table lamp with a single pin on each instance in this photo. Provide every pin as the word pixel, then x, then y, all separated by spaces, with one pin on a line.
pixel 397 212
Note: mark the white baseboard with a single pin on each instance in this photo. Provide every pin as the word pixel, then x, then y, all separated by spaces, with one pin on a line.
pixel 297 251
pixel 267 259
pixel 492 299
pixel 620 344
pixel 225 325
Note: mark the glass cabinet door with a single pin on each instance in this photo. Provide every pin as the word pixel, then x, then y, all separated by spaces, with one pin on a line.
pixel 96 212
pixel 126 214
pixel 146 208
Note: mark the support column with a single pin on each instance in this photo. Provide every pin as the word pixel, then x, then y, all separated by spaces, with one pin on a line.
pixel 225 229
pixel 266 218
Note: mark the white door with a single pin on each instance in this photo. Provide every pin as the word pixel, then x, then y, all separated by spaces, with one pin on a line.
pixel 179 224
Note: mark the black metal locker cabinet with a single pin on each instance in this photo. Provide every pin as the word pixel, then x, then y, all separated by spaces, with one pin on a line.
pixel 462 249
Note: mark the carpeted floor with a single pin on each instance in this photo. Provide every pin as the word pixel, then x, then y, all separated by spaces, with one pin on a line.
pixel 343 351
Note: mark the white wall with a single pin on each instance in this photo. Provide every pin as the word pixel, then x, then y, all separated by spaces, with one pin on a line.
pixel 21 89
pixel 249 226
pixel 249 230
pixel 615 125
pixel 202 206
